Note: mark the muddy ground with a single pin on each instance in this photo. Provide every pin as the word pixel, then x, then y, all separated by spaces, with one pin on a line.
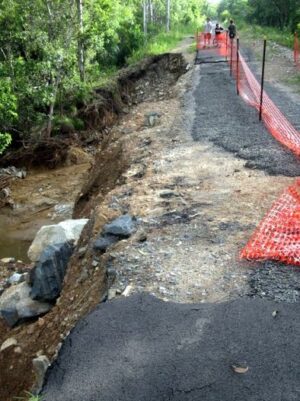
pixel 199 182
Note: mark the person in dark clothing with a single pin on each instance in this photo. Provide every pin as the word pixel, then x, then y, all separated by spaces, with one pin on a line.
pixel 218 29
pixel 232 30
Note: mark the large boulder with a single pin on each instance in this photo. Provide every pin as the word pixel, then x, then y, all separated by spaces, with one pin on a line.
pixel 46 278
pixel 66 231
pixel 16 304
pixel 124 226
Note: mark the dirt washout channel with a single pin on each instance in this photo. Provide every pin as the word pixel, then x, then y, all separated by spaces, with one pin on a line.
pixel 117 168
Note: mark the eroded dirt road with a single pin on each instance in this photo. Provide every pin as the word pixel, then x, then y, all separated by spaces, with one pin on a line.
pixel 199 182
pixel 212 173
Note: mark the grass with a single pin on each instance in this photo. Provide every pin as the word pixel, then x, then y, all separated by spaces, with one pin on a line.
pixel 161 43
pixel 29 397
pixel 284 37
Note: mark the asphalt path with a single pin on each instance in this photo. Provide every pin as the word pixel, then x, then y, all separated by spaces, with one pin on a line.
pixel 143 349
pixel 225 119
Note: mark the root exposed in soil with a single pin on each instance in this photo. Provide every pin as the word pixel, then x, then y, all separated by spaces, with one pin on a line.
pixel 50 153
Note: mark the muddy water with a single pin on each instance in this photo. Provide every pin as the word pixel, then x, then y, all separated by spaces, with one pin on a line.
pixel 11 245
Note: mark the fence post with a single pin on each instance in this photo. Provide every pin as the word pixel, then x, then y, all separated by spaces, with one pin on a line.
pixel 226 46
pixel 237 65
pixel 231 52
pixel 262 79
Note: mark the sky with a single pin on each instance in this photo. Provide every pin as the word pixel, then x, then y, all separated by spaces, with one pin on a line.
pixel 213 1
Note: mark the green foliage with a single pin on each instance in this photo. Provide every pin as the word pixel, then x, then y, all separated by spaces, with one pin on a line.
pixel 282 14
pixel 8 112
pixel 284 37
pixel 52 52
pixel 5 141
pixel 29 397
pixel 161 43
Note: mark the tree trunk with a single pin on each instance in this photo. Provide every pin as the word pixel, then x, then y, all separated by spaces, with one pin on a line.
pixel 168 15
pixel 51 109
pixel 151 11
pixel 80 41
pixel 145 17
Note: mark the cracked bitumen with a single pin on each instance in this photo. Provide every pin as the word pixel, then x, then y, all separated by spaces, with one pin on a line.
pixel 226 120
pixel 141 348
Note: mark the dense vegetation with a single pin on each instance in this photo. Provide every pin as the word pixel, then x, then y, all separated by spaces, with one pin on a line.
pixel 53 51
pixel 281 14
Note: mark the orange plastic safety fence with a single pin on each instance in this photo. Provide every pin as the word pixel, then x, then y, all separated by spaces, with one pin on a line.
pixel 250 90
pixel 214 43
pixel 296 50
pixel 278 235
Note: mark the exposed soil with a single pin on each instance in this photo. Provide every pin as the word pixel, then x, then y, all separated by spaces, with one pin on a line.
pixel 196 198
pixel 88 183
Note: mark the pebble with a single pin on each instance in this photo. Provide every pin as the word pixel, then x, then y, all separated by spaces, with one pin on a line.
pixel 8 260
pixel 16 278
pixel 30 329
pixel 112 293
pixel 8 343
pixel 41 322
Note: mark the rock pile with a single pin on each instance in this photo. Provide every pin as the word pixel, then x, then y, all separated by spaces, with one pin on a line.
pixel 34 294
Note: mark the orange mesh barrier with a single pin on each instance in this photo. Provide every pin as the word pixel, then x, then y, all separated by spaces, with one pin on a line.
pixel 277 236
pixel 217 43
pixel 296 51
pixel 250 89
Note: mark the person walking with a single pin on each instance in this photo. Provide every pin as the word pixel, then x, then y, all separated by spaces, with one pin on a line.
pixel 218 31
pixel 208 28
pixel 232 30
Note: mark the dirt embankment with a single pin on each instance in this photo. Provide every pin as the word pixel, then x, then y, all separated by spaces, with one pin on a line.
pixel 86 282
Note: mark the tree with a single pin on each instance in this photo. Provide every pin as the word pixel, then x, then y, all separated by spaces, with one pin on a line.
pixel 168 14
pixel 80 40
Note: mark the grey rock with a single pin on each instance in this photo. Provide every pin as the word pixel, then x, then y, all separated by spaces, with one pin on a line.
pixel 103 242
pixel 5 193
pixel 16 278
pixel 112 293
pixel 47 276
pixel 152 119
pixel 10 315
pixel 16 304
pixel 40 366
pixel 123 226
pixel 64 209
pixel 167 194
pixel 68 230
pixel 13 171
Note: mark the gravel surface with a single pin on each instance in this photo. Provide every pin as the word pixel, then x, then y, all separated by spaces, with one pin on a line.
pixel 141 348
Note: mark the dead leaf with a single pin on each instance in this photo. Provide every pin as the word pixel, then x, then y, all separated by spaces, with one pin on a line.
pixel 240 369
